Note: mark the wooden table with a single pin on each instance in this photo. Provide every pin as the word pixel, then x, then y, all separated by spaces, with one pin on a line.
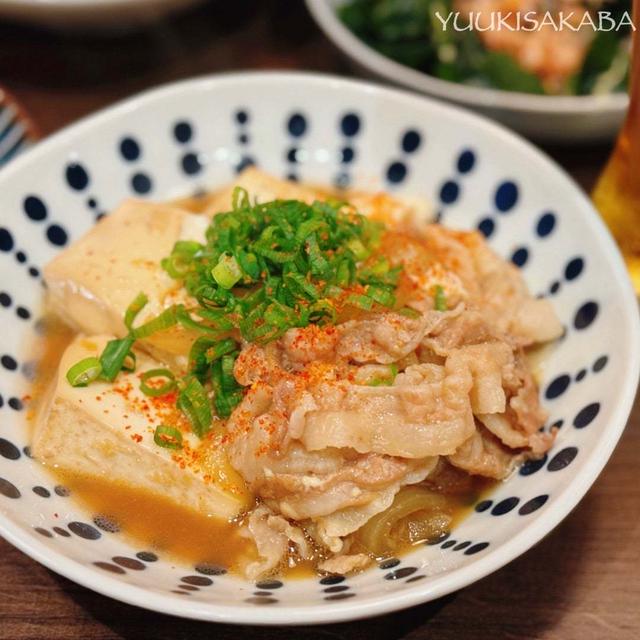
pixel 582 581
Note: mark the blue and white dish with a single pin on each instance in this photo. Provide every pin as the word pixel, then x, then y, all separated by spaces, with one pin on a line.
pixel 196 135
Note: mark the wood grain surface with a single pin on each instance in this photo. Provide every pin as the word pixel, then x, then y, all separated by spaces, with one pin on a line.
pixel 582 581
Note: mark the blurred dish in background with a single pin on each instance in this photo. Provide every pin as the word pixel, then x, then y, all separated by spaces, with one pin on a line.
pixel 554 86
pixel 617 194
pixel 101 14
pixel 16 130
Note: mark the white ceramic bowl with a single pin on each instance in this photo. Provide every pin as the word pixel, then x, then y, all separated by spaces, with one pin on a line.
pixel 550 119
pixel 194 135
pixel 82 14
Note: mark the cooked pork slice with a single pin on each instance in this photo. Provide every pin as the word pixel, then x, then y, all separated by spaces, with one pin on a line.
pixel 91 284
pixel 107 430
pixel 273 536
pixel 426 412
pixel 483 454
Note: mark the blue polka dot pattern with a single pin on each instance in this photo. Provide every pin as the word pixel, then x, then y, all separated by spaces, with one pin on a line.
pixel 129 149
pixel 562 459
pixel 486 227
pixel 141 183
pixel 6 240
pixel 297 125
pixel 449 192
pixel 411 140
pixel 574 268
pixel 350 124
pixel 35 208
pixel 466 161
pixel 506 196
pixel 504 506
pixel 532 466
pixel 586 416
pixel 182 131
pixel 396 172
pixel 476 548
pixel 483 506
pixel 77 176
pixel 533 505
pixel 585 315
pixel 191 164
pixel 57 235
pixel 557 387
pixel 520 256
pixel 546 224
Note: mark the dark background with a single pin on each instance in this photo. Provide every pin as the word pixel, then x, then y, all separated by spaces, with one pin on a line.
pixel 582 581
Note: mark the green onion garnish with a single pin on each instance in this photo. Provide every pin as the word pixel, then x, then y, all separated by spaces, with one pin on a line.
pixel 439 299
pixel 163 389
pixel 227 272
pixel 408 312
pixel 113 357
pixel 228 393
pixel 161 322
pixel 386 381
pixel 134 309
pixel 194 403
pixel 129 363
pixel 83 372
pixel 167 437
pixel 264 267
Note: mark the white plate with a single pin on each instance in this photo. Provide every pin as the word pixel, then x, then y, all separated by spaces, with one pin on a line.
pixel 194 135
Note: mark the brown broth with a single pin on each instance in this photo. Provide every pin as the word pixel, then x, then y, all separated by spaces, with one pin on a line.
pixel 157 523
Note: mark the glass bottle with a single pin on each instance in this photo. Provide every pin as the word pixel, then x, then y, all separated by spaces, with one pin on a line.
pixel 617 192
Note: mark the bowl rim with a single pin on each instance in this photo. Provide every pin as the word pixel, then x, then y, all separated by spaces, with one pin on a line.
pixel 438 585
pixel 382 66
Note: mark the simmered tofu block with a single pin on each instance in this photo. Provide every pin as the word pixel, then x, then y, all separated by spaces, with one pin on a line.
pixel 263 187
pixel 91 283
pixel 107 430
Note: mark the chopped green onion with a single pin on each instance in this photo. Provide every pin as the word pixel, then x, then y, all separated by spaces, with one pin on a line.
pixel 129 363
pixel 386 381
pixel 240 199
pixel 227 378
pixel 248 263
pixel 360 301
pixel 183 317
pixel 358 249
pixel 228 393
pixel 219 349
pixel 84 371
pixel 439 299
pixel 165 320
pixel 163 389
pixel 167 437
pixel 381 295
pixel 227 272
pixel 323 310
pixel 134 309
pixel 194 403
pixel 114 355
pixel 408 312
